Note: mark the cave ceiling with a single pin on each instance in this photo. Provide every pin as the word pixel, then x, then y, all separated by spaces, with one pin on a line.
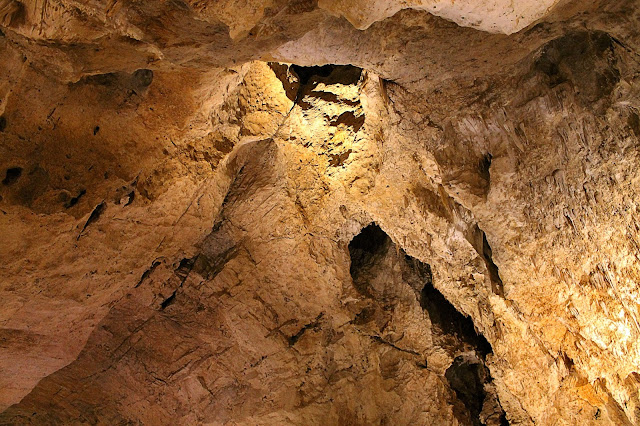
pixel 268 212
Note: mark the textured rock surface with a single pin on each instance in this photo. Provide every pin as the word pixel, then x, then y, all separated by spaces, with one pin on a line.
pixel 425 220
pixel 494 16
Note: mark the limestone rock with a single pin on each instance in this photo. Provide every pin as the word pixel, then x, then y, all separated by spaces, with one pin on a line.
pixel 290 212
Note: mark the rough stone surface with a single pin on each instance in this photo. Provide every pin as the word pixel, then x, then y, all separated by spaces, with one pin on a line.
pixel 299 212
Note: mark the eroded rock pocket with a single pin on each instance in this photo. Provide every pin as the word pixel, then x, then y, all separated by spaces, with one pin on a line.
pixel 12 175
pixel 377 265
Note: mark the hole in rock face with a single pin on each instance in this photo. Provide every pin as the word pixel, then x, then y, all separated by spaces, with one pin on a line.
pixel 306 73
pixel 143 78
pixel 12 175
pixel 633 121
pixel 371 246
pixel 585 59
pixel 3 123
pixel 468 378
pixel 74 200
pixel 370 243
pixel 484 166
pixel 446 318
pixel 496 282
pixel 342 74
pixel 375 258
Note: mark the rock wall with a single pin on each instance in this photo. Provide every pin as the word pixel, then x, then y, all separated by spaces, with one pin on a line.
pixel 334 213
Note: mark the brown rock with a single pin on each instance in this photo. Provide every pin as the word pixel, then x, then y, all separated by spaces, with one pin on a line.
pixel 297 212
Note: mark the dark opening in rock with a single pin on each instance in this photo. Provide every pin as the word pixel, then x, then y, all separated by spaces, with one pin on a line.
pixel 74 200
pixel 369 243
pixel 484 166
pixel 344 74
pixel 12 175
pixel 467 379
pixel 634 123
pixel 375 265
pixel 3 123
pixel 143 78
pixel 471 382
pixel 445 317
pixel 496 282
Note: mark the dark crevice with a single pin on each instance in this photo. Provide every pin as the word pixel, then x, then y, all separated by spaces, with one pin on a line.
pixel 3 123
pixel 466 379
pixel 305 74
pixel 131 196
pixel 371 250
pixel 447 319
pixel 289 84
pixel 94 216
pixel 12 175
pixel 184 268
pixel 182 273
pixel 497 287
pixel 370 243
pixel 484 165
pixel 470 380
pixel 312 325
pixel 169 300
pixel 380 340
pixel 329 74
pixel 148 272
pixel 73 201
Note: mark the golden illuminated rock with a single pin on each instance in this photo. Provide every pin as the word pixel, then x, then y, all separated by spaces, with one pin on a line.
pixel 290 212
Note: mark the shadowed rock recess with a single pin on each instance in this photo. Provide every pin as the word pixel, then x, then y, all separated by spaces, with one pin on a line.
pixel 274 212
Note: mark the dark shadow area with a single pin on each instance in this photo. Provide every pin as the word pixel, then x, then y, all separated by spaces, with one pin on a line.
pixel 445 317
pixel 74 200
pixel 331 74
pixel 468 379
pixel 370 243
pixel 496 282
pixel 349 119
pixel 305 74
pixel 137 81
pixel 372 253
pixel 12 175
pixel 483 166
pixel 585 59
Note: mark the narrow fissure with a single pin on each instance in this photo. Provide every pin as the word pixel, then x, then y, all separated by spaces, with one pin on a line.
pixel 343 74
pixel 372 250
pixel 496 282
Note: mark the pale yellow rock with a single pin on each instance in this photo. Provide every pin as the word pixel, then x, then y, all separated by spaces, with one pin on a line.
pixel 176 214
pixel 496 16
